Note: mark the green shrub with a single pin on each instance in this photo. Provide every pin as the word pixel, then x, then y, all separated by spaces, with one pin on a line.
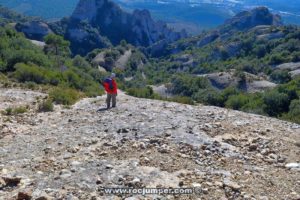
pixel 9 111
pixel 280 76
pixel 29 73
pixel 31 85
pixel 142 92
pixel 255 104
pixel 93 90
pixel 65 96
pixel 182 99
pixel 294 112
pixel 19 110
pixel 276 103
pixel 46 106
pixel 187 85
pixel 209 97
pixel 236 102
pixel 15 111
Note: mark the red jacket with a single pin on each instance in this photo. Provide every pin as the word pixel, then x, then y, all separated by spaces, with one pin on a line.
pixel 114 90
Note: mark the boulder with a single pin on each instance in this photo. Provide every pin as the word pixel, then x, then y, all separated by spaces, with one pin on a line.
pixel 34 30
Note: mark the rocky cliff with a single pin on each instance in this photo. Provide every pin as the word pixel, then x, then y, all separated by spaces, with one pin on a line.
pixel 73 153
pixel 104 18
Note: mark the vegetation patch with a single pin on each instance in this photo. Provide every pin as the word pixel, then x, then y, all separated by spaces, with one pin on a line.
pixel 65 96
pixel 15 111
pixel 46 106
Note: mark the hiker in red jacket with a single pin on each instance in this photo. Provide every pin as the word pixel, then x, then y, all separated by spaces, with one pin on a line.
pixel 111 89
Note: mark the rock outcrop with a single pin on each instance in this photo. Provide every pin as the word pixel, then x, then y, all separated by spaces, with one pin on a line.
pixel 104 18
pixel 251 83
pixel 249 19
pixel 293 68
pixel 34 30
pixel 74 153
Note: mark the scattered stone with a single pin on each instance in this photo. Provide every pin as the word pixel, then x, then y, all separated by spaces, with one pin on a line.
pixel 109 167
pixel 263 198
pixel 123 130
pixel 99 181
pixel 231 184
pixel 73 149
pixel 2 183
pixel 205 190
pixel 10 181
pixel 25 195
pixel 44 197
pixel 164 149
pixel 293 165
pixel 253 147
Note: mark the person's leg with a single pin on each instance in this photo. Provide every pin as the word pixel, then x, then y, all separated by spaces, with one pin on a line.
pixel 108 99
pixel 114 100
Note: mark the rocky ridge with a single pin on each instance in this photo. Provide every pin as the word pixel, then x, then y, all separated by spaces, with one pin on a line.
pixel 259 20
pixel 72 153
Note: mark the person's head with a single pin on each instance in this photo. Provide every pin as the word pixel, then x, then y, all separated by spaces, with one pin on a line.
pixel 113 75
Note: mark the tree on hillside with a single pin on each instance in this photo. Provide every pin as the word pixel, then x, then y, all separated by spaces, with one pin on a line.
pixel 56 45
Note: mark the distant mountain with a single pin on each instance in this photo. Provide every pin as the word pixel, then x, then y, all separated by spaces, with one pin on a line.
pixel 47 9
pixel 10 16
pixel 243 21
pixel 193 15
pixel 203 14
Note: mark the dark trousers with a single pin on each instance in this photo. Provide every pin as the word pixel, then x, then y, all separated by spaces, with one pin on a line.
pixel 111 98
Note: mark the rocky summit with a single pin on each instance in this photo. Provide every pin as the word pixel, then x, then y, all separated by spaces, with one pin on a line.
pixel 75 152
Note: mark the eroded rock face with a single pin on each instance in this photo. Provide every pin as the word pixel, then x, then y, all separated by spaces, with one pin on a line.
pixel 293 68
pixel 74 153
pixel 252 83
pixel 109 20
pixel 35 30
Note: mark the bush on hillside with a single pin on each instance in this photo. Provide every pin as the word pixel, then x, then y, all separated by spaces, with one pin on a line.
pixel 146 92
pixel 65 96
pixel 276 103
pixel 236 102
pixel 46 106
pixel 182 99
pixel 15 111
pixel 280 77
pixel 33 73
pixel 294 113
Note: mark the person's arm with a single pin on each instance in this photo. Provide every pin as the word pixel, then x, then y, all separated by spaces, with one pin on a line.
pixel 115 86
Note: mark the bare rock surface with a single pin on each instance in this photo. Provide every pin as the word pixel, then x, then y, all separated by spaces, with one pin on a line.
pixel 123 60
pixel 74 153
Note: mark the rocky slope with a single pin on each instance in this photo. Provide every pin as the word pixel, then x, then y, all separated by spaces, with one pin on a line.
pixel 72 153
